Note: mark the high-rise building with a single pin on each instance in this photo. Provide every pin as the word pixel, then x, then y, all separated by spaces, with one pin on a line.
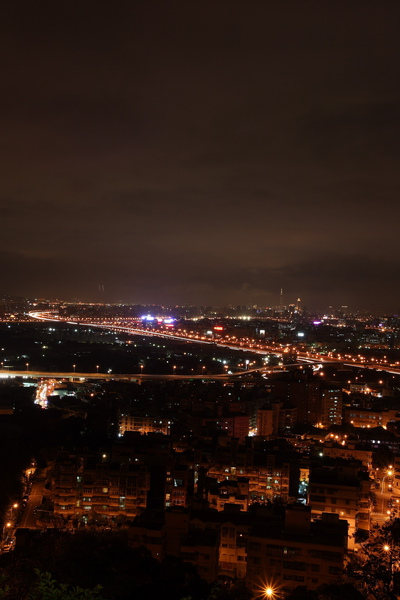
pixel 331 405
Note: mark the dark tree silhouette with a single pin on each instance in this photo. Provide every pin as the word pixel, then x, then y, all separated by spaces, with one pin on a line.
pixel 375 568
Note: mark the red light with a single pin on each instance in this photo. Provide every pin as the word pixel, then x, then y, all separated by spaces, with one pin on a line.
pixel 218 328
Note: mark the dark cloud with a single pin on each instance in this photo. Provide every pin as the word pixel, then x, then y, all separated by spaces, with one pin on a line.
pixel 333 280
pixel 211 152
pixel 361 130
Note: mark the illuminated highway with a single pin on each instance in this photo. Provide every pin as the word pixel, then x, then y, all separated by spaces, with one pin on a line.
pixel 243 344
pixel 128 376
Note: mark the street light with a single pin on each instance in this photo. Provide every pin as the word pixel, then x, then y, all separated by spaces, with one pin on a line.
pixel 389 473
pixel 388 550
pixel 6 526
pixel 13 507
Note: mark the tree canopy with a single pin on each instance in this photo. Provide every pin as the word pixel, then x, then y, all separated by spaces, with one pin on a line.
pixel 375 568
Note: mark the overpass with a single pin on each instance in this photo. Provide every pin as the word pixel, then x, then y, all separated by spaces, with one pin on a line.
pixel 108 376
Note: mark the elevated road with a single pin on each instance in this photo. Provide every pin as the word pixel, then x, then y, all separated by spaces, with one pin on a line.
pixel 71 375
pixel 302 357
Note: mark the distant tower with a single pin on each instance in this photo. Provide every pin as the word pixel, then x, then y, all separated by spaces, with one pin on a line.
pixel 281 298
pixel 298 304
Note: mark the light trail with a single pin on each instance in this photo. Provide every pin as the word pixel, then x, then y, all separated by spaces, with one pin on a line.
pixel 302 357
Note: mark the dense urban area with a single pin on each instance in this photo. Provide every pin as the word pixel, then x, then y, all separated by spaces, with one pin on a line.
pixel 199 452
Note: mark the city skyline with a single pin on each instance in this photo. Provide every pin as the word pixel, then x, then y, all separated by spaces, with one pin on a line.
pixel 209 154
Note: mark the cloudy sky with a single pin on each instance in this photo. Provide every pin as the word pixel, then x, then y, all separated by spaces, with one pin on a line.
pixel 201 152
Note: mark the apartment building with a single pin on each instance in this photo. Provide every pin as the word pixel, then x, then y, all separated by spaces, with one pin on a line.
pixel 299 553
pixel 343 490
pixel 255 546
pixel 144 424
pixel 87 487
pixel 366 417
pixel 349 450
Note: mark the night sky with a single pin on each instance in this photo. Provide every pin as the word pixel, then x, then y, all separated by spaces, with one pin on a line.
pixel 201 152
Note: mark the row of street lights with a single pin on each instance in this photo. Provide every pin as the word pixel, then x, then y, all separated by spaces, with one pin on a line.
pixel 203 368
pixel 8 525
pixel 389 473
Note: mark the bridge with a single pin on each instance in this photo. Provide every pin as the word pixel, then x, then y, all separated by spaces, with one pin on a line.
pixel 108 376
